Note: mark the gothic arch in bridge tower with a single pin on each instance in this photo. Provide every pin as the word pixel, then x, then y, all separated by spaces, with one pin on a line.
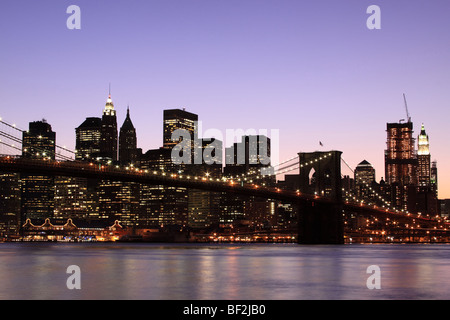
pixel 320 175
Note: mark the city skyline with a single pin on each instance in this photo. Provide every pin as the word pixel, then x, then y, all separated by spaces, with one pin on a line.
pixel 241 61
pixel 415 142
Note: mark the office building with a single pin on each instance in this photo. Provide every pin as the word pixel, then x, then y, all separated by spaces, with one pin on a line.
pixel 400 157
pixel 71 198
pixel 108 133
pixel 401 166
pixel 249 161
pixel 38 190
pixel 175 119
pixel 10 197
pixel 251 156
pixel 364 178
pixel 128 151
pixel 204 206
pixel 427 201
pixel 88 137
pixel 423 159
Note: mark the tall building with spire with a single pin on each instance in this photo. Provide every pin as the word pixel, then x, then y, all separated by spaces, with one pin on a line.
pixel 426 189
pixel 128 152
pixel 423 159
pixel 108 133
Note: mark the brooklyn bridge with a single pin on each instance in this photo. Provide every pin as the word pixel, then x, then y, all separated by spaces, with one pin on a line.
pixel 323 217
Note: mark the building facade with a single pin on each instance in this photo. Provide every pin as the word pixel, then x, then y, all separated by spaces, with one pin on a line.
pixel 88 137
pixel 37 196
pixel 108 133
pixel 128 151
pixel 401 166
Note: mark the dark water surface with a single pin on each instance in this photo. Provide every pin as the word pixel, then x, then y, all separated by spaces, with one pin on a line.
pixel 223 271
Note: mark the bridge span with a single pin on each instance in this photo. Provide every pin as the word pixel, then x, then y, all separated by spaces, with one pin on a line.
pixel 320 218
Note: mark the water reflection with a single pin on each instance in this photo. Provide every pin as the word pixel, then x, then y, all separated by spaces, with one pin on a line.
pixel 273 271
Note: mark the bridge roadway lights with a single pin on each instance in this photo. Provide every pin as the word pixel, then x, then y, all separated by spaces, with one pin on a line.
pixel 320 220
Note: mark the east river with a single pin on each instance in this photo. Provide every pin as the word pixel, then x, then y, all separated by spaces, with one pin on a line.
pixel 223 271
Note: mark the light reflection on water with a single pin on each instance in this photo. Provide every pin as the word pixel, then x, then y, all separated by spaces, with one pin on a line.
pixel 223 271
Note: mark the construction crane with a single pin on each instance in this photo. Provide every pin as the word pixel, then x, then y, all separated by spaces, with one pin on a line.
pixel 406 107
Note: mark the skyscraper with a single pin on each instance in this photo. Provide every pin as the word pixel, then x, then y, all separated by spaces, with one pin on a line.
pixel 423 159
pixel 88 137
pixel 108 133
pixel 426 175
pixel 401 165
pixel 162 205
pixel 250 156
pixel 71 198
pixel 204 206
pixel 88 140
pixel 175 119
pixel 10 194
pixel 248 160
pixel 400 160
pixel 128 152
pixel 38 190
pixel 39 141
pixel 364 178
pixel 119 200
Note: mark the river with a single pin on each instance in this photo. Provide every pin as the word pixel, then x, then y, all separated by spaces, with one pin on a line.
pixel 123 271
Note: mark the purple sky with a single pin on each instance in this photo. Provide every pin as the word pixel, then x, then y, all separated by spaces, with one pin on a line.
pixel 311 69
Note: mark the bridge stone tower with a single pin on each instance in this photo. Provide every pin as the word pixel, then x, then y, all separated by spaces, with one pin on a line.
pixel 320 175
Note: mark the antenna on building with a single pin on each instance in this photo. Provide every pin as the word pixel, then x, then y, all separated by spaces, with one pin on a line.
pixel 406 107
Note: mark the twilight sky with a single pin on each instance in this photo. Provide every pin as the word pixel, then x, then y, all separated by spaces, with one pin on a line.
pixel 310 69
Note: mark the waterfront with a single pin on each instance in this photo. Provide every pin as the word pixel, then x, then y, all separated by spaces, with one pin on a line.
pixel 223 271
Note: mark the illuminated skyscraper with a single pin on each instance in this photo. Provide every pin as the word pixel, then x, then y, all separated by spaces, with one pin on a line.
pixel 119 201
pixel 250 156
pixel 108 133
pixel 423 159
pixel 88 136
pixel 38 190
pixel 248 160
pixel 39 141
pixel 364 173
pixel 71 198
pixel 364 179
pixel 204 206
pixel 10 194
pixel 175 119
pixel 163 205
pixel 401 165
pixel 427 176
pixel 400 160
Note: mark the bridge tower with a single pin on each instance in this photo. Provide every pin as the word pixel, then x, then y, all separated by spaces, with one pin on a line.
pixel 320 175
